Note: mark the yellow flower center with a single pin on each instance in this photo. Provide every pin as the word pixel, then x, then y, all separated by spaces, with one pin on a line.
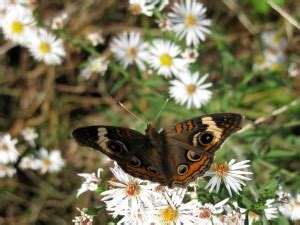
pixel 276 38
pixel 205 214
pixel 169 214
pixel 17 27
pixel 135 9
pixel 44 48
pixel 132 52
pixel 190 20
pixel 221 169
pixel 191 88
pixel 46 162
pixel 132 189
pixel 166 60
pixel 4 147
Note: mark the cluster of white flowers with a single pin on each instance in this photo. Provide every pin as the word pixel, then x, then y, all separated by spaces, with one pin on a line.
pixel 170 60
pixel 20 27
pixel 43 161
pixel 273 56
pixel 143 202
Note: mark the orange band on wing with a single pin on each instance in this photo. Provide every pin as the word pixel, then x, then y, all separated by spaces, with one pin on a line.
pixel 178 128
pixel 190 125
pixel 193 168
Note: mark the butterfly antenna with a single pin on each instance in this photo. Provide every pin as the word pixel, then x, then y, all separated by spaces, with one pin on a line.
pixel 131 113
pixel 162 108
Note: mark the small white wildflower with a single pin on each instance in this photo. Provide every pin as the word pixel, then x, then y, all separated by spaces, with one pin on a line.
pixel 95 38
pixel 137 7
pixel 291 208
pixel 46 47
pixel 130 48
pixel 29 134
pixel 271 211
pixel 6 171
pixel 173 211
pixel 270 60
pixel 165 58
pixel 29 162
pixel 188 21
pixel 274 40
pixel 59 21
pixel 164 24
pixel 190 54
pixel 8 151
pixel 232 174
pixel 93 66
pixel 128 194
pixel 16 25
pixel 190 89
pixel 50 162
pixel 208 212
pixel 91 183
pixel 83 219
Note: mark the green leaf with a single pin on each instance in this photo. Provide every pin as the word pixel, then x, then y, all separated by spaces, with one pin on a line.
pixel 261 6
pixel 281 154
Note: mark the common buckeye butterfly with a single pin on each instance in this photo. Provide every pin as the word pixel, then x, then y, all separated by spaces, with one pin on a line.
pixel 175 156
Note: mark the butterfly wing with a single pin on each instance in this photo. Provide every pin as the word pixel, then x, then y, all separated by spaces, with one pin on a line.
pixel 129 148
pixel 191 145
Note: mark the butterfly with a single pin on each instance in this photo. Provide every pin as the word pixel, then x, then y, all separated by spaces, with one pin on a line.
pixel 175 156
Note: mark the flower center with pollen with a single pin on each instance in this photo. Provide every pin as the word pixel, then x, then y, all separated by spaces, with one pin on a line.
pixel 44 48
pixel 166 60
pixel 132 190
pixel 190 20
pixel 221 169
pixel 132 52
pixel 4 147
pixel 46 162
pixel 135 9
pixel 191 88
pixel 205 214
pixel 17 27
pixel 169 214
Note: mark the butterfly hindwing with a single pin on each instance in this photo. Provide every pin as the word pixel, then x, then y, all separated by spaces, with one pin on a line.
pixel 192 144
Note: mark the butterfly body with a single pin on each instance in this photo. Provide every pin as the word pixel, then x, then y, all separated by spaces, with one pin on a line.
pixel 173 157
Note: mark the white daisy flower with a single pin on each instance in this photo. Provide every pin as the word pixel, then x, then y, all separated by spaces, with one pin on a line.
pixel 29 134
pixel 253 217
pixel 274 40
pixel 173 211
pixel 29 162
pixel 164 24
pixel 83 219
pixel 291 208
pixel 91 183
pixel 50 162
pixel 208 212
pixel 190 89
pixel 188 19
pixel 130 48
pixel 59 21
pixel 6 171
pixel 190 54
pixel 8 151
pixel 146 218
pixel 271 211
pixel 269 60
pixel 165 58
pixel 96 38
pixel 128 194
pixel 93 66
pixel 138 7
pixel 230 173
pixel 46 47
pixel 17 25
